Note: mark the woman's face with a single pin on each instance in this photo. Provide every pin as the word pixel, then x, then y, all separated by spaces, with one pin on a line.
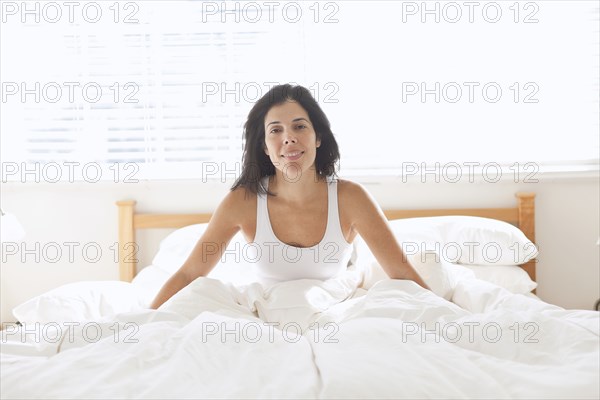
pixel 291 141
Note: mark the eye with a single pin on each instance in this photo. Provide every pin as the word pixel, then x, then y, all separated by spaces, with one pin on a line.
pixel 301 126
pixel 274 130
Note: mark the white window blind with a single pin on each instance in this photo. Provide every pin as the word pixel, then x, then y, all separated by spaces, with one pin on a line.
pixel 174 89
pixel 393 77
pixel 548 71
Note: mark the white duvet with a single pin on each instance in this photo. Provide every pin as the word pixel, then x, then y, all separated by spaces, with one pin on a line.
pixel 314 339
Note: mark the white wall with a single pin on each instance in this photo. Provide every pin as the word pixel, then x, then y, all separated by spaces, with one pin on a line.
pixel 567 227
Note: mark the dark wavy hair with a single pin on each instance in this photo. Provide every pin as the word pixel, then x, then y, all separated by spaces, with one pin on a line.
pixel 256 164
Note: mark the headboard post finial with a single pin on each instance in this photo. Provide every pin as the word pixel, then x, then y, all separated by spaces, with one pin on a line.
pixel 127 261
pixel 527 214
pixel 527 225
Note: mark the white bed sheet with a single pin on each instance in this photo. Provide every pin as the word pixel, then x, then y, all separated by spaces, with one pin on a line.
pixel 395 340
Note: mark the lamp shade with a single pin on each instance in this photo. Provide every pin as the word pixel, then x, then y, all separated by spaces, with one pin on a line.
pixel 11 229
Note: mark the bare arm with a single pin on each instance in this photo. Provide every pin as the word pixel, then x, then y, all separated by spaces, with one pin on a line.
pixel 206 254
pixel 372 225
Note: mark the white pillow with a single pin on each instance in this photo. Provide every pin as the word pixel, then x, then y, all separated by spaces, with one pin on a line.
pixel 465 240
pixel 513 278
pixel 80 301
pixel 486 241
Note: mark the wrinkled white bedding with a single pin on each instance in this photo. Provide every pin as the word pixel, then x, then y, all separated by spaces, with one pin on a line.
pixel 314 339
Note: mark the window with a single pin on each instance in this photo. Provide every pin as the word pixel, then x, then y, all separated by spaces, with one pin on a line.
pixel 160 90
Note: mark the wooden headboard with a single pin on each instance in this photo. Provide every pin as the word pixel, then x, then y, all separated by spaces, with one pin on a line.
pixel 522 216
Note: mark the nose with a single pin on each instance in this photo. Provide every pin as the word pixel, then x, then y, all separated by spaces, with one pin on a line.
pixel 289 138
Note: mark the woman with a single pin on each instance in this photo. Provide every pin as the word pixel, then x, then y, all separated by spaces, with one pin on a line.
pixel 300 220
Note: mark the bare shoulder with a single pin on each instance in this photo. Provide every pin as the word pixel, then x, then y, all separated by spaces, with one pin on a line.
pixel 238 196
pixel 237 204
pixel 230 216
pixel 357 206
pixel 352 193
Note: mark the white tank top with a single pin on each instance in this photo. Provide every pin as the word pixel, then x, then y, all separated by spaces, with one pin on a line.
pixel 277 261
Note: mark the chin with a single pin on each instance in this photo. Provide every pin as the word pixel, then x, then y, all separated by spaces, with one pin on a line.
pixel 292 171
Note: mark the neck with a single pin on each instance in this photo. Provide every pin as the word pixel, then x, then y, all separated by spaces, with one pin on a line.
pixel 296 190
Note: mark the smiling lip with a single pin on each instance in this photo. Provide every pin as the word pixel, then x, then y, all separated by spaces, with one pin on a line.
pixel 293 156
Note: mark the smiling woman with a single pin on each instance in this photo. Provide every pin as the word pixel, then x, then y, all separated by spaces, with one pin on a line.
pixel 269 122
pixel 289 204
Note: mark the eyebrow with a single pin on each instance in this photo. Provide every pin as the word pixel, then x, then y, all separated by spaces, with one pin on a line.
pixel 294 120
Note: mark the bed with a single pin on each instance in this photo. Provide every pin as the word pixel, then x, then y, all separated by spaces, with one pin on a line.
pixel 480 332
